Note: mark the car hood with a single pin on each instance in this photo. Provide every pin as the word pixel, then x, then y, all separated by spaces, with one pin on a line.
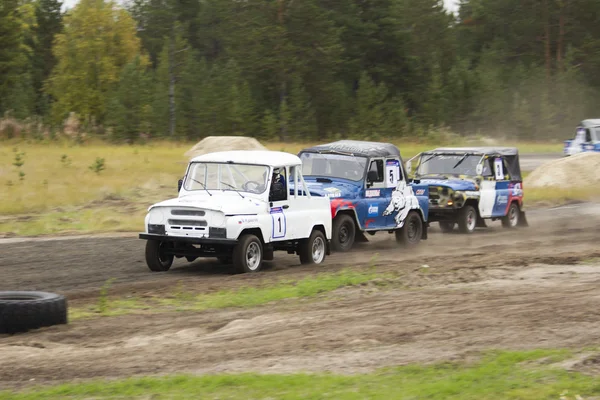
pixel 453 183
pixel 335 188
pixel 229 203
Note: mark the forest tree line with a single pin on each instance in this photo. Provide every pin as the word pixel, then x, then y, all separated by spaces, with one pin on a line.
pixel 301 69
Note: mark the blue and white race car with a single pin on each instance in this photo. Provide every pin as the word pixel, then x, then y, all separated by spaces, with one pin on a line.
pixel 368 189
pixel 587 138
pixel 468 185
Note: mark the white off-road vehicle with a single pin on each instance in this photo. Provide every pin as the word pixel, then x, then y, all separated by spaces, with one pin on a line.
pixel 239 206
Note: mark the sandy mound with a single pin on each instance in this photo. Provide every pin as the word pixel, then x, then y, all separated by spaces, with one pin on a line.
pixel 211 144
pixel 580 170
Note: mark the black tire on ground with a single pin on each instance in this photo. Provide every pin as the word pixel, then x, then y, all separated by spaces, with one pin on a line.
pixel 313 249
pixel 344 232
pixel 511 220
pixel 467 219
pixel 447 226
pixel 22 311
pixel 248 254
pixel 156 260
pixel 412 231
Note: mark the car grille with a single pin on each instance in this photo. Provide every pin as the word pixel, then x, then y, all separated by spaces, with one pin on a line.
pixel 185 224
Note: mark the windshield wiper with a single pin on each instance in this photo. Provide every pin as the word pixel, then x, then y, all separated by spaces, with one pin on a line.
pixel 203 186
pixel 233 188
pixel 460 161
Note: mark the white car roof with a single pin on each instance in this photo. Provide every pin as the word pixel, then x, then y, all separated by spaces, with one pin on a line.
pixel 258 157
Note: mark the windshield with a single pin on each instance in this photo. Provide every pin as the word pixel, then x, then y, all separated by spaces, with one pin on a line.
pixel 225 176
pixel 333 166
pixel 448 164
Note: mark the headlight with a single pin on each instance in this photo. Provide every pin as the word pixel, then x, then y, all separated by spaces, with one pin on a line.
pixel 156 216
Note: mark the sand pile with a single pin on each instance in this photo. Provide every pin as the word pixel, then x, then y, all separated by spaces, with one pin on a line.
pixel 578 171
pixel 211 144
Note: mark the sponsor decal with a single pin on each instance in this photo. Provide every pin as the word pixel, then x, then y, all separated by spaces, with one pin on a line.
pixel 247 220
pixel 502 199
pixel 372 193
pixel 420 192
pixel 373 210
pixel 472 193
pixel 333 192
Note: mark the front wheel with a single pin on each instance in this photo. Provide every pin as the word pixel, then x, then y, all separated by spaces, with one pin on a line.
pixel 467 219
pixel 511 220
pixel 156 259
pixel 248 254
pixel 313 249
pixel 411 233
pixel 344 232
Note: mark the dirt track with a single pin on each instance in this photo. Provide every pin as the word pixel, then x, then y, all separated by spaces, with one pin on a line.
pixel 530 288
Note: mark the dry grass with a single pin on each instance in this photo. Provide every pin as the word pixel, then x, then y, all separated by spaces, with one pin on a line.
pixel 60 194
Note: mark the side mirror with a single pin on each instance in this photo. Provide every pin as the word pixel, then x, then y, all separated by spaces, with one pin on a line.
pixel 179 185
pixel 408 167
pixel 372 176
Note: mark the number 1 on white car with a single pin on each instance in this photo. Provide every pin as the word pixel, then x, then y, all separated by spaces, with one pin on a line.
pixel 279 227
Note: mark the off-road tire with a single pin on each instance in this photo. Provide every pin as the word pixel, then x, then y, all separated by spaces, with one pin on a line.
pixel 344 233
pixel 22 311
pixel 241 255
pixel 511 220
pixel 447 226
pixel 156 261
pixel 411 232
pixel 308 251
pixel 467 219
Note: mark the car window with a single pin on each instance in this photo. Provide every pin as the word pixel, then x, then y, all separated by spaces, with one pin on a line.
pixel 278 190
pixel 377 165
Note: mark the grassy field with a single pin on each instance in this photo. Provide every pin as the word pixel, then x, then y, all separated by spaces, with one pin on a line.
pixel 182 300
pixel 61 191
pixel 500 375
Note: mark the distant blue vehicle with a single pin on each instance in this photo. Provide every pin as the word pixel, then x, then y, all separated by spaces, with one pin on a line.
pixel 587 138
pixel 368 189
pixel 469 185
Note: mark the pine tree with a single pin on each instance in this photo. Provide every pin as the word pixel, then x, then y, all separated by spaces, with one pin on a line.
pixel 303 122
pixel 10 41
pixel 370 119
pixel 130 107
pixel 48 25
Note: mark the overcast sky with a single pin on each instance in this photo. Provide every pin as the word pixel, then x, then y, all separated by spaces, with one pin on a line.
pixel 451 5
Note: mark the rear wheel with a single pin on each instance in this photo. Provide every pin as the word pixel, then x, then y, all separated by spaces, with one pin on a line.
pixel 156 259
pixel 248 254
pixel 344 232
pixel 447 226
pixel 412 231
pixel 511 220
pixel 467 219
pixel 312 250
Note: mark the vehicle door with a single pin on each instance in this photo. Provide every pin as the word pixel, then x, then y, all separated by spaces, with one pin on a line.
pixel 487 188
pixel 378 193
pixel 279 206
pixel 495 194
pixel 301 212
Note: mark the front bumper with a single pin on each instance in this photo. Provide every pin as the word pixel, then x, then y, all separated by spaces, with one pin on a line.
pixel 186 239
pixel 442 214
